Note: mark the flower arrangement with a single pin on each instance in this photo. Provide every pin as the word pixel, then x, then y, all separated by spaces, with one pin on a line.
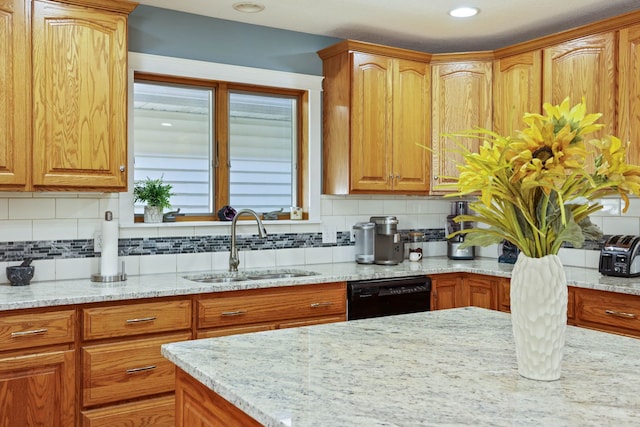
pixel 538 188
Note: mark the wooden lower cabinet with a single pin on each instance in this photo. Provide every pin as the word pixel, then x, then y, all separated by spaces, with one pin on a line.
pixel 157 412
pixel 608 311
pixel 198 406
pixel 447 291
pixel 38 389
pixel 127 370
pixel 235 312
pixel 463 290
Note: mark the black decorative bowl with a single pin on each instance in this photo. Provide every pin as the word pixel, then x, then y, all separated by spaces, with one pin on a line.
pixel 20 275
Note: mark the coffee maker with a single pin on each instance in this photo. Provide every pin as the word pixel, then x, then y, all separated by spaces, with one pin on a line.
pixel 454 251
pixel 388 245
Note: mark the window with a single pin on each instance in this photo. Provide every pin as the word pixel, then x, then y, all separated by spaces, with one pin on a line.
pixel 218 143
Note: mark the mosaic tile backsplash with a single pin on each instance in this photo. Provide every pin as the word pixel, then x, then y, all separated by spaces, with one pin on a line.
pixel 83 248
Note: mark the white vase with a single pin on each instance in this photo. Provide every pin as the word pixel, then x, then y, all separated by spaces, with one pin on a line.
pixel 152 214
pixel 539 315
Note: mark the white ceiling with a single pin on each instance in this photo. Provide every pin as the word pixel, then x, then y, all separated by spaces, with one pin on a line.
pixel 416 24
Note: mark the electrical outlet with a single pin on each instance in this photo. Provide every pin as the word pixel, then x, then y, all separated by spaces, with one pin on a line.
pixel 97 241
pixel 329 234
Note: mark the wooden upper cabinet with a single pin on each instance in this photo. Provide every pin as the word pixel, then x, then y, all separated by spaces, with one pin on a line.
pixel 629 91
pixel 411 124
pixel 517 89
pixel 15 105
pixel 376 119
pixel 371 116
pixel 80 96
pixel 461 100
pixel 584 67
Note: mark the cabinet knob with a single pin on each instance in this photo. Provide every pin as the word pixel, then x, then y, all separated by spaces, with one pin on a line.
pixel 435 178
pixel 122 168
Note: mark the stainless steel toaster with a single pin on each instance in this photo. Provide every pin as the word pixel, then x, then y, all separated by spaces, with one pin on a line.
pixel 619 256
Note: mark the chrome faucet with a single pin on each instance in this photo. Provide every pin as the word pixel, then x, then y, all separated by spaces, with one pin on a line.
pixel 234 261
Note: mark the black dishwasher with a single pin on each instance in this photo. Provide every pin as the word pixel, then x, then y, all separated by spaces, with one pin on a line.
pixel 385 297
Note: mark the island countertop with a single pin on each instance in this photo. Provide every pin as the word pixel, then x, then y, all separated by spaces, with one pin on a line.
pixel 448 367
pixel 65 292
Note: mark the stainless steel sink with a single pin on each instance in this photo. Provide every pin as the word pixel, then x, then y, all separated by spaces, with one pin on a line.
pixel 262 276
pixel 210 279
pixel 228 277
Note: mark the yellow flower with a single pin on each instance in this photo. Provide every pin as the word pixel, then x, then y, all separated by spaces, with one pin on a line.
pixel 536 187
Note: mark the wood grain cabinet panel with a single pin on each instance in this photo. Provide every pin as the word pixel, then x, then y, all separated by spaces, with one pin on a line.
pixel 136 319
pixel 156 412
pixel 584 67
pixel 15 90
pixel 33 329
pixel 608 311
pixel 38 389
pixel 461 100
pixel 272 305
pixel 482 291
pixel 447 291
pixel 517 89
pixel 629 91
pixel 376 119
pixel 80 96
pixel 130 369
pixel 198 406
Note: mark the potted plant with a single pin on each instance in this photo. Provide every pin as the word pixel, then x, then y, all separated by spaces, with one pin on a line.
pixel 536 190
pixel 156 194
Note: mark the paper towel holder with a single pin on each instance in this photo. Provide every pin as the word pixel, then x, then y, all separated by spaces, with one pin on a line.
pixel 120 277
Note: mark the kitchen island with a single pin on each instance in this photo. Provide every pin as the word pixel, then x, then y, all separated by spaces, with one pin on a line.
pixel 449 367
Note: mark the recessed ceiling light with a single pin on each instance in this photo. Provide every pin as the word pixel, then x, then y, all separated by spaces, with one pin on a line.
pixel 248 7
pixel 166 124
pixel 464 12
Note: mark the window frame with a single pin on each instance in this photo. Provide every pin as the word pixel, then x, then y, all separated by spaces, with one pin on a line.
pixel 228 77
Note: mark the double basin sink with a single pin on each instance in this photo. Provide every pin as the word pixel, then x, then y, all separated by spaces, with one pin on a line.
pixel 228 277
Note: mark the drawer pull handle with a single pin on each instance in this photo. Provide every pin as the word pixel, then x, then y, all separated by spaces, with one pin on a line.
pixel 321 304
pixel 141 320
pixel 32 332
pixel 620 314
pixel 143 369
pixel 234 313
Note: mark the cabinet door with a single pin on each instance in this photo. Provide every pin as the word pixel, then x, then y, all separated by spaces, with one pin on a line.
pixel 629 91
pixel 461 101
pixel 371 115
pixel 38 390
pixel 447 292
pixel 411 126
pixel 483 291
pixel 80 98
pixel 517 89
pixel 127 370
pixel 15 99
pixel 584 67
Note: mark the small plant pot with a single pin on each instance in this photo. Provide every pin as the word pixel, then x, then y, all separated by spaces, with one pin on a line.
pixel 19 275
pixel 152 214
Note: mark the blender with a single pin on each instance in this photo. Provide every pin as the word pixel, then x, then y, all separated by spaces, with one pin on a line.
pixel 454 251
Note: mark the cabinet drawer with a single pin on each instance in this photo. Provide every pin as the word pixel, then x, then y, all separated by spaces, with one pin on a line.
pixel 271 305
pixel 158 412
pixel 32 330
pixel 112 372
pixel 135 319
pixel 608 310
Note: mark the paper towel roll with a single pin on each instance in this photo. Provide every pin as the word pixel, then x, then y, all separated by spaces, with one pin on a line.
pixel 109 255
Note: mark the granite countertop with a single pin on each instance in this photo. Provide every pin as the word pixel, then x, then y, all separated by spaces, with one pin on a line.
pixel 447 367
pixel 64 292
